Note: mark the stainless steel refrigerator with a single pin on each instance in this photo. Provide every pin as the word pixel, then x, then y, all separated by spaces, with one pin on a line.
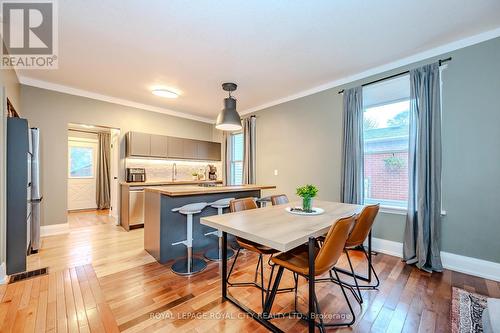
pixel 23 193
pixel 36 191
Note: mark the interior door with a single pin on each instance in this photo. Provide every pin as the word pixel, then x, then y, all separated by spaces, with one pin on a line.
pixel 82 158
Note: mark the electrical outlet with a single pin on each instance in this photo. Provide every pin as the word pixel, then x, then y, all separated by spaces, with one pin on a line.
pixel 275 172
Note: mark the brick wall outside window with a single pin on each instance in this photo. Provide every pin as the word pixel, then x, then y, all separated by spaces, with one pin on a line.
pixel 386 182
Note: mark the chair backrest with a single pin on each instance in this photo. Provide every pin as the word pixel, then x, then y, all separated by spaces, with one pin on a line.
pixel 239 205
pixel 279 199
pixel 333 245
pixel 363 225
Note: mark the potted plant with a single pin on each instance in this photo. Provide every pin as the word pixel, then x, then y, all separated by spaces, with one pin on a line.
pixel 195 175
pixel 307 192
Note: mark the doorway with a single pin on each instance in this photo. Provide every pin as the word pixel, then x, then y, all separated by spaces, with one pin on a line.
pixel 93 167
pixel 82 169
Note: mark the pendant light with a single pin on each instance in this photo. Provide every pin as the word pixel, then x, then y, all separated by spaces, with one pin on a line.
pixel 229 119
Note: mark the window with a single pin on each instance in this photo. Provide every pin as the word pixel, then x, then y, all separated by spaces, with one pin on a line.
pixel 81 162
pixel 237 158
pixel 386 133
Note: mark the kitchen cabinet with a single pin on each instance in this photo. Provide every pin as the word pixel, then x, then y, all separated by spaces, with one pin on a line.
pixel 190 149
pixel 175 147
pixel 138 144
pixel 159 146
pixel 209 151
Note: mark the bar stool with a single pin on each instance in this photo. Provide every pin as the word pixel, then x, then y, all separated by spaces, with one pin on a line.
pixel 263 201
pixel 189 265
pixel 216 254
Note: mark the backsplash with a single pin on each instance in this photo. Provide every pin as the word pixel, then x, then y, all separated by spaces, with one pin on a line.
pixel 161 170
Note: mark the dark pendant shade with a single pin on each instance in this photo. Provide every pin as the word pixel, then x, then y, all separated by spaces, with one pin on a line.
pixel 228 119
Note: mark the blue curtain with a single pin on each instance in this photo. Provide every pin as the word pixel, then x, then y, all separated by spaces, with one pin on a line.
pixel 423 223
pixel 352 186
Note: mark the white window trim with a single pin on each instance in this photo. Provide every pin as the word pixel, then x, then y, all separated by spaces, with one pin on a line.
pixel 400 210
pixel 231 161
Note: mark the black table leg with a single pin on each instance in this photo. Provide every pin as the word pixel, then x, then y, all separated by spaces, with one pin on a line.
pixel 224 265
pixel 312 295
pixel 370 256
pixel 225 297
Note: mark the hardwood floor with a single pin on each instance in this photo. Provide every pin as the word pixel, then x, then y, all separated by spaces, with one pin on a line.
pixel 100 279
pixel 93 238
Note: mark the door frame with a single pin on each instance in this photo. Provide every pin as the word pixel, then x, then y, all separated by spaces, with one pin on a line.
pixel 95 144
pixel 115 174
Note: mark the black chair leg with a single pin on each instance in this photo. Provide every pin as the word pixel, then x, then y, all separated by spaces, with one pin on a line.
pixel 373 270
pixel 359 298
pixel 357 285
pixel 348 303
pixel 232 266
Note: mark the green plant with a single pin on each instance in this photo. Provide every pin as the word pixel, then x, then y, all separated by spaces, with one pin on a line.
pixel 195 174
pixel 394 163
pixel 307 191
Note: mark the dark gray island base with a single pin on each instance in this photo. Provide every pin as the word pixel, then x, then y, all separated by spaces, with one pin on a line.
pixel 162 227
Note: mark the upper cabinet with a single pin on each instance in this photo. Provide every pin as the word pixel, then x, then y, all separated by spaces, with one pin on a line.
pixel 175 147
pixel 207 150
pixel 159 146
pixel 138 144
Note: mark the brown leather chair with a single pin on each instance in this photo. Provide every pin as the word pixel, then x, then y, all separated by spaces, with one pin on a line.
pixel 239 205
pixel 359 234
pixel 326 257
pixel 279 199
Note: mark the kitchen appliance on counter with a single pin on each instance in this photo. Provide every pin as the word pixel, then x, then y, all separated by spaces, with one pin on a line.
pixel 136 175
pixel 23 193
pixel 212 172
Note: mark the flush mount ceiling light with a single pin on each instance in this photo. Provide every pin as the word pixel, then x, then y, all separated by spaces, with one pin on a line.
pixel 229 119
pixel 165 93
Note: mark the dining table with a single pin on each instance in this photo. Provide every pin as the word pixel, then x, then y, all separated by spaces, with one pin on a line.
pixel 280 229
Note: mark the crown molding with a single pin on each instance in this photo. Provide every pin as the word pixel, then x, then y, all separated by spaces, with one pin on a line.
pixel 434 52
pixel 110 99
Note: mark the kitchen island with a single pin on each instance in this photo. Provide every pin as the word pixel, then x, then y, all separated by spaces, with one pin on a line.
pixel 162 227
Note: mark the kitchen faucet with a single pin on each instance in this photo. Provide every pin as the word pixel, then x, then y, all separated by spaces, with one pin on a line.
pixel 174 172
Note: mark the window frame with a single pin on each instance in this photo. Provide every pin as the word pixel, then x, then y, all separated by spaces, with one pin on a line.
pixel 232 161
pixel 82 141
pixel 385 208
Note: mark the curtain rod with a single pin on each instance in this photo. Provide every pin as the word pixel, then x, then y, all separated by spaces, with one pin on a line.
pixel 441 61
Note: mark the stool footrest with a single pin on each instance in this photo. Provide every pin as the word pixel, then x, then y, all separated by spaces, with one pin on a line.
pixel 184 242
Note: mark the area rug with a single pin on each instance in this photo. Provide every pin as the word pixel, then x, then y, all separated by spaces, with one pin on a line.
pixel 467 311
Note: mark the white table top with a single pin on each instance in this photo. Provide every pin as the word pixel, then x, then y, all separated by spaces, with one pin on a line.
pixel 274 227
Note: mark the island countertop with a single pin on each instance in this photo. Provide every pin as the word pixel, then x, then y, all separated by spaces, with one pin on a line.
pixel 180 190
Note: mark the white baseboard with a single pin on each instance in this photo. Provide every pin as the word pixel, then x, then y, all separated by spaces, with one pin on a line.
pixel 54 229
pixel 467 265
pixel 4 278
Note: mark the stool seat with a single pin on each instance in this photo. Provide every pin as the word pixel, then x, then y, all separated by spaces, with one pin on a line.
pixel 193 208
pixel 221 203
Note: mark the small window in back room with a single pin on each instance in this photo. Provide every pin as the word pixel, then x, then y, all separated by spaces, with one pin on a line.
pixel 81 162
pixel 386 133
pixel 237 158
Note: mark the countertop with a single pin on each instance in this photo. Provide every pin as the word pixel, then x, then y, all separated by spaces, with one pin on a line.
pixel 177 182
pixel 179 190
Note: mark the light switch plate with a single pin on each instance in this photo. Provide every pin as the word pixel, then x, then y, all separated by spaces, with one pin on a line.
pixel 275 172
